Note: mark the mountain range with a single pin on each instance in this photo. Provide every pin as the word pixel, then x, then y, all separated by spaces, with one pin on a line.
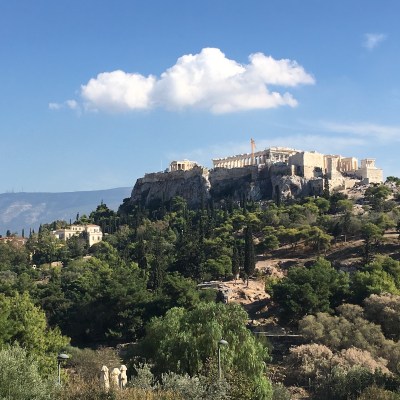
pixel 28 210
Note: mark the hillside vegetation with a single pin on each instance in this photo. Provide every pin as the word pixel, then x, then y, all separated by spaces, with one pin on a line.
pixel 329 274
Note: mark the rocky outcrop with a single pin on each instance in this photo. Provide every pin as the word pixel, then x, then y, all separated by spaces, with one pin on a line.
pixel 290 186
pixel 154 189
pixel 248 182
pixel 199 185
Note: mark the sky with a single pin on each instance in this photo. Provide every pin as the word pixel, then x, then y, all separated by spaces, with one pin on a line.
pixel 95 93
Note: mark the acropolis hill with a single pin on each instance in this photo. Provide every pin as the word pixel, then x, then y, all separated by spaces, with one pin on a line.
pixel 258 175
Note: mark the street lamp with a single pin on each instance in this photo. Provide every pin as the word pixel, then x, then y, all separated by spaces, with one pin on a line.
pixel 60 358
pixel 222 342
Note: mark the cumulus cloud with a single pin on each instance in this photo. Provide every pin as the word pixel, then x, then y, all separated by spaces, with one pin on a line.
pixel 372 40
pixel 208 80
pixel 71 104
pixel 118 91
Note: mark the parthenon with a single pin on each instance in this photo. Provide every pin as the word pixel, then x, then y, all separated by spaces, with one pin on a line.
pixel 308 164
pixel 271 155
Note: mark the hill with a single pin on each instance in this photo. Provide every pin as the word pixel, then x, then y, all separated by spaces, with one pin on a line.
pixel 28 210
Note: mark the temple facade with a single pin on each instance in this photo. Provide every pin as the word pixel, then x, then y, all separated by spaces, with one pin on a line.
pixel 271 155
pixel 183 165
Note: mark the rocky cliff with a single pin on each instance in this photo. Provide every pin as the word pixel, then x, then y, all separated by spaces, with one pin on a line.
pixel 199 184
pixel 155 188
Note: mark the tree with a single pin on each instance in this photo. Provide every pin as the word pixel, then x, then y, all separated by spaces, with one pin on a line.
pixel 180 291
pixel 290 236
pixel 249 255
pixel 347 224
pixel 310 290
pixel 323 204
pixel 380 276
pixel 25 324
pixel 350 329
pixel 372 235
pixel 317 239
pixel 185 341
pixel 384 310
pixel 377 195
pixel 270 241
pixel 44 247
pixel 377 393
pixel 236 261
pixel 344 205
pixel 326 191
pixel 20 377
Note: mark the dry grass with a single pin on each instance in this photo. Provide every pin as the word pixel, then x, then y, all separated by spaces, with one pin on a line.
pixel 77 389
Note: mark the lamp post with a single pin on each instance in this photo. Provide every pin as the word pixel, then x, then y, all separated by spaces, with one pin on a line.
pixel 221 342
pixel 60 358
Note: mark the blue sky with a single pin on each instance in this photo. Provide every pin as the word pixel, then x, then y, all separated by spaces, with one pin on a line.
pixel 96 93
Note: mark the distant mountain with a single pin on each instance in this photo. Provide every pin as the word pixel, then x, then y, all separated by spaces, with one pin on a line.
pixel 28 210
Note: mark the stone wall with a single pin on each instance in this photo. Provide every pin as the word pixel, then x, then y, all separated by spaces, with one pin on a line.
pixel 307 164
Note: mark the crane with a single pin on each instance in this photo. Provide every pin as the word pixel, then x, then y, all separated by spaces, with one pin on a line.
pixel 253 146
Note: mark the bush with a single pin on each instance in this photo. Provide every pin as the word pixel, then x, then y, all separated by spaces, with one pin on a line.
pixel 87 363
pixel 20 378
pixel 377 393
pixel 385 310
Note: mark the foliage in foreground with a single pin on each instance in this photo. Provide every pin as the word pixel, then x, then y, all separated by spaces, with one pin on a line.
pixel 186 341
pixel 20 378
pixel 24 323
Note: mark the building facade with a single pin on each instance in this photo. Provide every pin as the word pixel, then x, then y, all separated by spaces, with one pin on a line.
pixel 308 164
pixel 183 165
pixel 93 233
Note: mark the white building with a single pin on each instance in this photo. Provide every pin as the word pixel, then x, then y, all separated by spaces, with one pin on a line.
pixel 93 232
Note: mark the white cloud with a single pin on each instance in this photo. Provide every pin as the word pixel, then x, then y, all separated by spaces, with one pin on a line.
pixel 71 104
pixel 55 106
pixel 372 40
pixel 383 133
pixel 208 80
pixel 118 91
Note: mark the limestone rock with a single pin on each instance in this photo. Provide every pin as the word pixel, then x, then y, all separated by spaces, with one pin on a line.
pixel 290 186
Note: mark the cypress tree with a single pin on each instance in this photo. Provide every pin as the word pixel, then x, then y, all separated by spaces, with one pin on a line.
pixel 326 192
pixel 235 261
pixel 249 255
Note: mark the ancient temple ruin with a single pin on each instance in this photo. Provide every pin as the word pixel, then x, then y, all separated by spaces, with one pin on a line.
pixel 183 165
pixel 308 164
